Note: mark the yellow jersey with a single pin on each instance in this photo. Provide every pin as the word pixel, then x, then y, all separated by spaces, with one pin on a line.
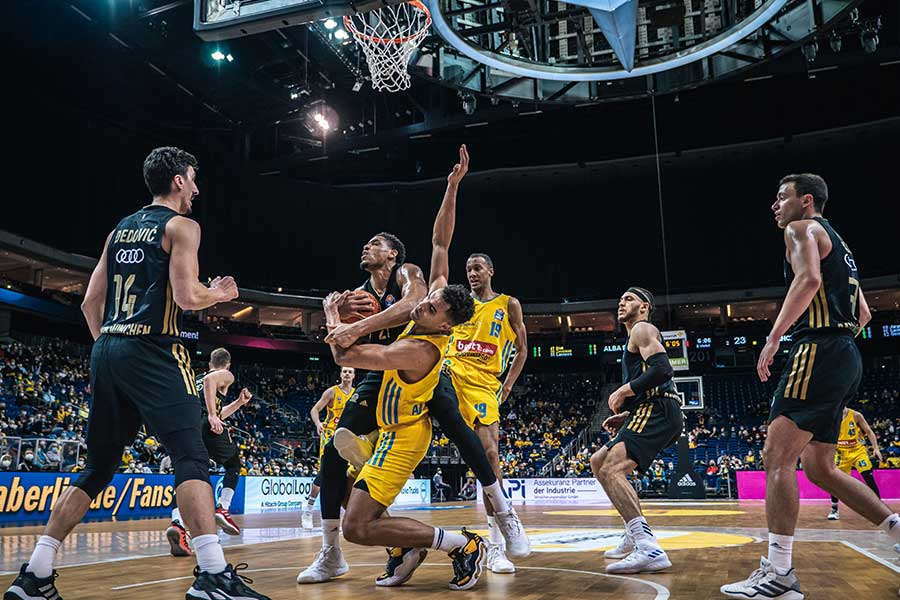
pixel 849 435
pixel 482 348
pixel 400 402
pixel 336 409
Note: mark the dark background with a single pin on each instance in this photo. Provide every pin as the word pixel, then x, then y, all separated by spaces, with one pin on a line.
pixel 566 202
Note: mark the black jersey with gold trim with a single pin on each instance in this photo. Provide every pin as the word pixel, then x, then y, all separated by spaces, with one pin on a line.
pixel 139 297
pixel 835 307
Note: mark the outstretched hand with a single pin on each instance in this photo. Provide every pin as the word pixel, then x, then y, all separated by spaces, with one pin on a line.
pixel 461 168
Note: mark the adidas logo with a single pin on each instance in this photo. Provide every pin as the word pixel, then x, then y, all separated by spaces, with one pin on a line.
pixel 686 481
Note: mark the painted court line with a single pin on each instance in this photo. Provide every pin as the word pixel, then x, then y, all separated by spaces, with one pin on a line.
pixel 877 559
pixel 662 592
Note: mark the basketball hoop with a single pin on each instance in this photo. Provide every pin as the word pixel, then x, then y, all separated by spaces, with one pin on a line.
pixel 388 37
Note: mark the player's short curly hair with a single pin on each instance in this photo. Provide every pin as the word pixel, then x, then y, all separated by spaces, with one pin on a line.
pixel 395 244
pixel 462 307
pixel 162 164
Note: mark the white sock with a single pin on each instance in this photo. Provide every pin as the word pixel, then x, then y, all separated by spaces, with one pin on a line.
pixel 176 514
pixel 627 533
pixel 891 526
pixel 210 557
pixel 225 498
pixel 331 532
pixel 447 540
pixel 310 502
pixel 780 547
pixel 640 532
pixel 41 561
pixel 494 534
pixel 494 494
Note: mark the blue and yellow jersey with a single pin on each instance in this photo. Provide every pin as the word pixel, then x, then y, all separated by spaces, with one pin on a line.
pixel 849 435
pixel 482 348
pixel 401 402
pixel 336 409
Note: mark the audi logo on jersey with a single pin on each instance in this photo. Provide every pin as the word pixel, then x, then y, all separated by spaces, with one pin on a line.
pixel 130 256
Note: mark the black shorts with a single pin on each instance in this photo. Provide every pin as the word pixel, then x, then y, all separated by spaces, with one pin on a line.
pixel 819 378
pixel 360 412
pixel 140 380
pixel 654 426
pixel 221 448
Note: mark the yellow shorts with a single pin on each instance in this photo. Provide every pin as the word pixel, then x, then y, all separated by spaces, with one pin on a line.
pixel 853 458
pixel 326 436
pixel 478 402
pixel 398 453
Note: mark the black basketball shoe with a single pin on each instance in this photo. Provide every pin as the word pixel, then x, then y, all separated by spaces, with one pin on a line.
pixel 468 561
pixel 28 586
pixel 227 585
pixel 401 564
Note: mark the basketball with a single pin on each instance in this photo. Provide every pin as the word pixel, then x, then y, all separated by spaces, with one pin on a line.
pixel 373 308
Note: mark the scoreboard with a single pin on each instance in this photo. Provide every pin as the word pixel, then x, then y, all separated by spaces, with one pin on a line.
pixel 676 345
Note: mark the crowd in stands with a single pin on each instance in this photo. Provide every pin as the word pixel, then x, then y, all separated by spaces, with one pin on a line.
pixel 45 396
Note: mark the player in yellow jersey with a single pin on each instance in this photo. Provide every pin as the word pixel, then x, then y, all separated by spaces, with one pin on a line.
pixel 851 454
pixel 333 400
pixel 480 350
pixel 411 367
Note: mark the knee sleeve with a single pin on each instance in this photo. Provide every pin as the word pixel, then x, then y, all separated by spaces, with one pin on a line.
pixel 99 468
pixel 318 480
pixel 444 407
pixel 869 478
pixel 232 471
pixel 189 456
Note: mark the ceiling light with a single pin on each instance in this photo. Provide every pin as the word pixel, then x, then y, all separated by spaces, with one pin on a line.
pixel 217 55
pixel 340 34
pixel 229 57
pixel 330 23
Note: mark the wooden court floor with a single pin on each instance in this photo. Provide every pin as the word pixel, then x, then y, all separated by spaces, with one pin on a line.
pixel 709 544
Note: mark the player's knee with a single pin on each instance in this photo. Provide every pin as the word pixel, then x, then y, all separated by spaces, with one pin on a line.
pixel 97 474
pixel 597 460
pixel 354 529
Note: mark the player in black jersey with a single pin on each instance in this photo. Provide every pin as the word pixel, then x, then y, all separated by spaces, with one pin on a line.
pixel 646 418
pixel 399 287
pixel 213 389
pixel 826 307
pixel 141 374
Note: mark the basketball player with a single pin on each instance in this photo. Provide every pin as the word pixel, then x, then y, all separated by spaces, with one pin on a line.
pixel 399 287
pixel 827 309
pixel 141 374
pixel 480 351
pixel 852 455
pixel 646 419
pixel 412 366
pixel 213 386
pixel 333 401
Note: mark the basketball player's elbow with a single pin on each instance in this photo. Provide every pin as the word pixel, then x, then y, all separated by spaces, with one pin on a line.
pixel 809 282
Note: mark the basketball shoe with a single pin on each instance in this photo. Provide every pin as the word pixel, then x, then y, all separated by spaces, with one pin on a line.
pixel 517 543
pixel 355 449
pixel 224 520
pixel 765 582
pixel 644 559
pixel 401 564
pixel 625 547
pixel 497 561
pixel 27 586
pixel 468 562
pixel 229 584
pixel 179 539
pixel 329 563
pixel 833 515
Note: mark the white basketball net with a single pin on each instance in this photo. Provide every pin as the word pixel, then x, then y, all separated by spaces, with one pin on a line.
pixel 388 37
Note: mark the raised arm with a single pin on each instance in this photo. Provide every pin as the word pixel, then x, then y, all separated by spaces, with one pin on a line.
pixel 444 224
pixel 95 296
pixel 243 398
pixel 322 404
pixel 803 254
pixel 517 322
pixel 184 270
